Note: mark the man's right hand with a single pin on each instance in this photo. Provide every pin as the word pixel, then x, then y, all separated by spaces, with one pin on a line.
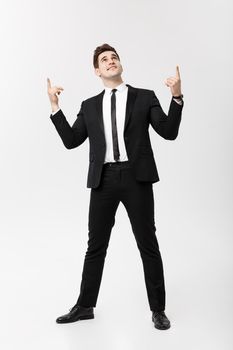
pixel 53 91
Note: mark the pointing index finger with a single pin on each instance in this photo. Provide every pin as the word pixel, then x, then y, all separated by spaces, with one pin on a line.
pixel 177 72
pixel 48 83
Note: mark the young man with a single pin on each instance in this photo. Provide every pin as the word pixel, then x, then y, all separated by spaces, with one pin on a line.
pixel 121 168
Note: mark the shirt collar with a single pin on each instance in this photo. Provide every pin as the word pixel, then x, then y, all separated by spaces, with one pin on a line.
pixel 119 88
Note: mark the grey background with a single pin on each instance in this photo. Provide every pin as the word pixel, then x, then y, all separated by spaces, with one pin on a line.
pixel 44 199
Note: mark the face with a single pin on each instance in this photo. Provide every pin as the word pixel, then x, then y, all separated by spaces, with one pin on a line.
pixel 109 65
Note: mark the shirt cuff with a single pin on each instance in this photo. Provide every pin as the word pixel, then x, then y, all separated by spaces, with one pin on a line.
pixel 180 102
pixel 56 111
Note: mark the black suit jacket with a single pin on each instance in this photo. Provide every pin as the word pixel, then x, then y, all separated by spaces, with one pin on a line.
pixel 142 109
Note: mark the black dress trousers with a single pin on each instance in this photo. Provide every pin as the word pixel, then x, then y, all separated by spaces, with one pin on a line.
pixel 118 184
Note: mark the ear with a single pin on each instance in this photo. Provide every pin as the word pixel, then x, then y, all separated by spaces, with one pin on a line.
pixel 97 72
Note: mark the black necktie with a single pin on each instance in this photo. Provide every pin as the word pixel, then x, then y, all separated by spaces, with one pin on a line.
pixel 114 128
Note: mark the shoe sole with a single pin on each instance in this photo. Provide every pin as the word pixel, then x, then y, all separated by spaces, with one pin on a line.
pixel 85 317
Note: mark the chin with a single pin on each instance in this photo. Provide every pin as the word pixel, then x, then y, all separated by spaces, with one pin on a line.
pixel 115 74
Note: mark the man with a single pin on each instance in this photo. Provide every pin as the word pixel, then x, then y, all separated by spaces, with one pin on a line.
pixel 121 168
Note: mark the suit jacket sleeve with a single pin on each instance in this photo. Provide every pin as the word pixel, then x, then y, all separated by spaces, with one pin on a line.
pixel 71 136
pixel 166 126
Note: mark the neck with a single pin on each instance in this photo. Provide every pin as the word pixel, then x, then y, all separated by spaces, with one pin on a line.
pixel 113 83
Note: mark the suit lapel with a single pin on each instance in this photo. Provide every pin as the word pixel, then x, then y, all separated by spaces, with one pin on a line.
pixel 132 93
pixel 99 109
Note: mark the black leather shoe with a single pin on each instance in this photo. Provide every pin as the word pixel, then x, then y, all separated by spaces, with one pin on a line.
pixel 76 313
pixel 160 320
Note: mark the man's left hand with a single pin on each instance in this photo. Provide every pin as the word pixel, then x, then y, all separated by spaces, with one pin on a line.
pixel 174 83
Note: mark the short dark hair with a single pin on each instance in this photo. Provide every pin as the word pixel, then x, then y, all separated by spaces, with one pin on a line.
pixel 99 50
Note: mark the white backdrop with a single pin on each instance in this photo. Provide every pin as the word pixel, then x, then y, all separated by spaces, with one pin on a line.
pixel 44 200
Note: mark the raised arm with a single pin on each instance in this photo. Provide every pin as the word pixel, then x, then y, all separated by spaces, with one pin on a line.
pixel 71 136
pixel 167 126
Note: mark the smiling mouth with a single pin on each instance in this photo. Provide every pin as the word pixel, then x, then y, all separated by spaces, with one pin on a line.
pixel 112 67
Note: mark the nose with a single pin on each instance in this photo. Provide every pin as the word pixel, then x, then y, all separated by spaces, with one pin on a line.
pixel 112 63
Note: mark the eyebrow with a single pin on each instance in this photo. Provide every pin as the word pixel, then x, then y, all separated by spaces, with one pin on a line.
pixel 113 55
